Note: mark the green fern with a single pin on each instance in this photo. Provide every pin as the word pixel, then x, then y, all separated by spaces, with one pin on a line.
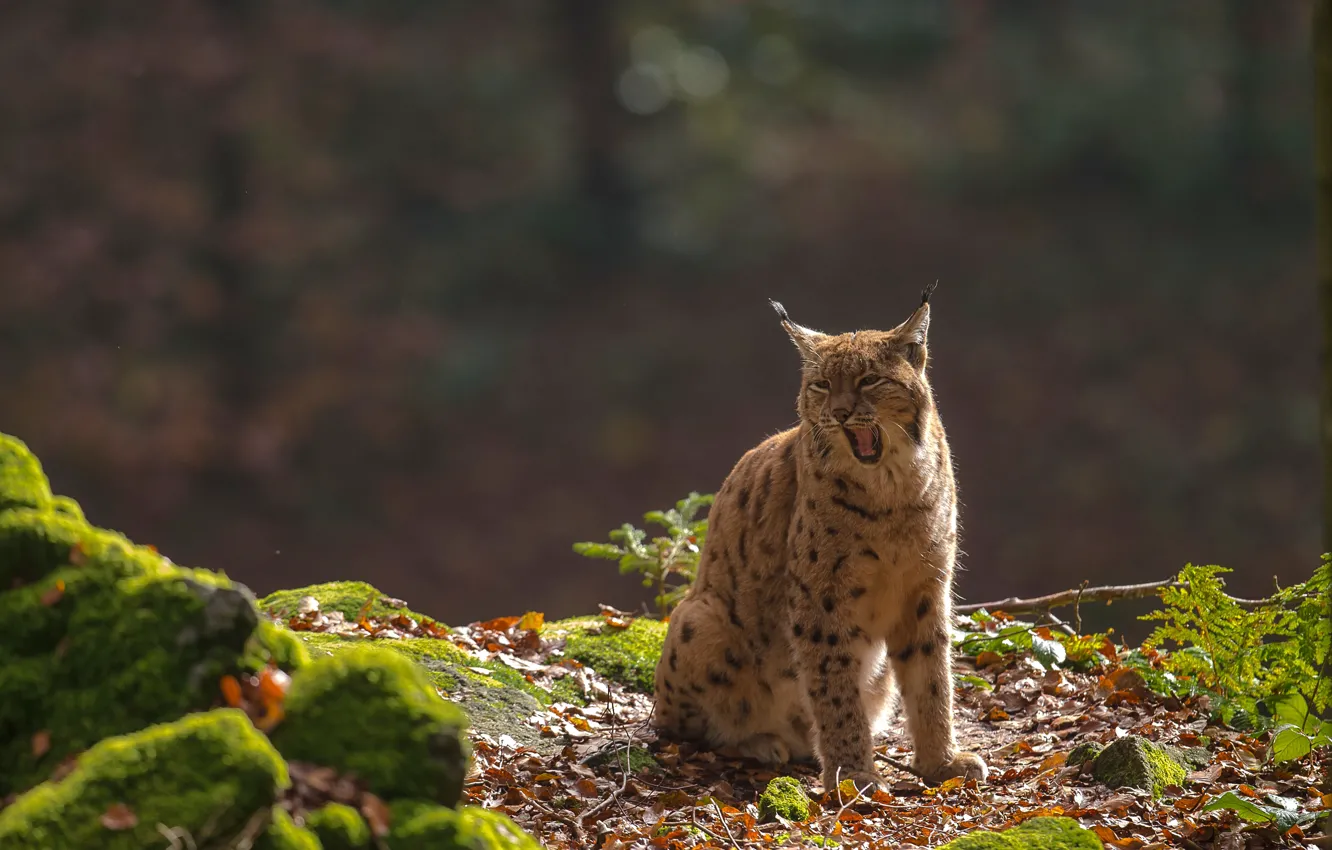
pixel 1246 653
pixel 669 562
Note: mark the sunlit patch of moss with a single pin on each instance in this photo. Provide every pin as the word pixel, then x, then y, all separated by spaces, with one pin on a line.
pixel 339 827
pixel 349 597
pixel 67 506
pixel 1034 834
pixel 206 774
pixel 567 690
pixel 628 656
pixel 1135 762
pixel 422 826
pixel 617 755
pixel 374 713
pixel 283 834
pixel 273 643
pixel 22 482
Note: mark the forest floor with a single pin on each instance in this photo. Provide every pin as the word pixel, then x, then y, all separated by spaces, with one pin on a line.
pixel 1022 717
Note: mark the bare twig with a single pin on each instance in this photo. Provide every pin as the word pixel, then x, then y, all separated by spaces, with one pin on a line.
pixel 721 816
pixel 624 780
pixel 1108 594
pixel 902 766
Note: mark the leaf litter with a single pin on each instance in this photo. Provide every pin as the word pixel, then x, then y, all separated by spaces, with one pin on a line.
pixel 1018 709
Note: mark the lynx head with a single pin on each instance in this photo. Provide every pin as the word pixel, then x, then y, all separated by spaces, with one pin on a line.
pixel 863 389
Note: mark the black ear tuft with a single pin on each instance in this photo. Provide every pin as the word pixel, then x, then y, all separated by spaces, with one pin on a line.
pixel 781 311
pixel 929 290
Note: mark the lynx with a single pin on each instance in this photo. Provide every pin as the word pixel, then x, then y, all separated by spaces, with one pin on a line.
pixel 827 574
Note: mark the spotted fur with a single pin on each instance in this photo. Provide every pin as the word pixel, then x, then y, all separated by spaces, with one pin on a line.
pixel 827 576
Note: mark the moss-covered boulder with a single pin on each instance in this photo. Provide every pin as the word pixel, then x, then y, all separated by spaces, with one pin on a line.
pixel 1135 762
pixel 207 774
pixel 22 482
pixel 422 826
pixel 1035 834
pixel 108 641
pixel 625 655
pixel 371 712
pixel 339 827
pixel 350 598
pixel 784 797
pixel 1084 753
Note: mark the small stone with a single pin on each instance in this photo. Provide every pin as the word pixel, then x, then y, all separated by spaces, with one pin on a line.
pixel 1084 752
pixel 307 605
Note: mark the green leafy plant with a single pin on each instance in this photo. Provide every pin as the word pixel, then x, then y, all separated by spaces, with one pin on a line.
pixel 667 562
pixel 1251 654
pixel 1004 635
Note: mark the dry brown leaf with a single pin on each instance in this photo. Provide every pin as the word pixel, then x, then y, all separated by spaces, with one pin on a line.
pixel 41 743
pixel 376 813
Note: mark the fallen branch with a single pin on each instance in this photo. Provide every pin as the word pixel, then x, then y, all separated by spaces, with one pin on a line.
pixel 1074 596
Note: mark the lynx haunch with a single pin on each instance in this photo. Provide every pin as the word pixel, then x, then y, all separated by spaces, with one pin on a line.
pixel 827 574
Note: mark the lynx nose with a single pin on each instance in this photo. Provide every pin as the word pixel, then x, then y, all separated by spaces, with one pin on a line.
pixel 841 414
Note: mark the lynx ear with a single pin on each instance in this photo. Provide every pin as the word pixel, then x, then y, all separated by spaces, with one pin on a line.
pixel 804 338
pixel 913 332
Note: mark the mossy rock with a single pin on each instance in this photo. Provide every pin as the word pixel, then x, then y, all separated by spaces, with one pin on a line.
pixel 784 797
pixel 1135 762
pixel 628 656
pixel 22 482
pixel 371 712
pixel 1087 751
pixel 422 826
pixel 349 597
pixel 1035 834
pixel 206 774
pixel 119 642
pixel 339 827
pixel 496 703
pixel 282 833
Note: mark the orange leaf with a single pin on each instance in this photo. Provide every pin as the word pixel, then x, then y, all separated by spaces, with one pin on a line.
pixel 499 624
pixel 988 657
pixel 532 620
pixel 996 713
pixel 41 743
pixel 54 593
pixel 273 685
pixel 231 690
pixel 118 817
pixel 77 554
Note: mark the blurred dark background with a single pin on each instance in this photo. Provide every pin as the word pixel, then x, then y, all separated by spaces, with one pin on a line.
pixel 423 292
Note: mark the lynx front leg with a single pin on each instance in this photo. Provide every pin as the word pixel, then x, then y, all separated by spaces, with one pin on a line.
pixel 830 671
pixel 922 663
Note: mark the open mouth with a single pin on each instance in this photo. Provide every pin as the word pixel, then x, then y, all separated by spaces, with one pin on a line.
pixel 866 444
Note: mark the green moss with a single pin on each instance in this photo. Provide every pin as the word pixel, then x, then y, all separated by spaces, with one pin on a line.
pixel 567 690
pixel 339 827
pixel 22 482
pixel 784 797
pixel 206 774
pixel 349 597
pixel 35 542
pixel 1084 752
pixel 131 641
pixel 1035 834
pixel 271 642
pixel 67 506
pixel 422 826
pixel 372 712
pixel 1137 763
pixel 628 656
pixel 283 834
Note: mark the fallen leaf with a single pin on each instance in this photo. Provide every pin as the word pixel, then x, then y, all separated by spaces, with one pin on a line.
pixel 118 817
pixel 231 690
pixel 532 620
pixel 376 814
pixel 41 743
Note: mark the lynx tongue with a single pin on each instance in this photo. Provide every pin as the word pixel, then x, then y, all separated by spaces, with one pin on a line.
pixel 864 440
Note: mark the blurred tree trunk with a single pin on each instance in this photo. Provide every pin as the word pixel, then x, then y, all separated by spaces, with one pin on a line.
pixel 1322 50
pixel 587 30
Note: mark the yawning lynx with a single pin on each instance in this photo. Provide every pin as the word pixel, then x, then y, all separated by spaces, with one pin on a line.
pixel 827 573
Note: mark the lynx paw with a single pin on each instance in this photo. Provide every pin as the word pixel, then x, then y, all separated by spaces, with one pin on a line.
pixel 964 764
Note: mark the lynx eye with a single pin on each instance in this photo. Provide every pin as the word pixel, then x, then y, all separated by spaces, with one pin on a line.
pixel 820 386
pixel 870 381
